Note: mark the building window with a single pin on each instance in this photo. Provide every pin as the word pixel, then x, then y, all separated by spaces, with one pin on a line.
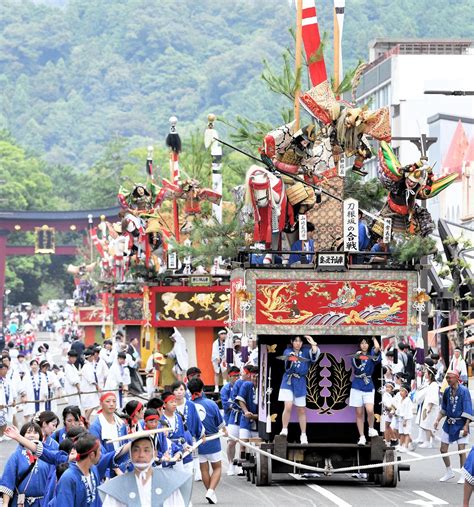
pixel 395 110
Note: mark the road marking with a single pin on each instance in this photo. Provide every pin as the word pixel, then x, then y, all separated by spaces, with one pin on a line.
pixel 433 500
pixel 322 491
pixel 330 496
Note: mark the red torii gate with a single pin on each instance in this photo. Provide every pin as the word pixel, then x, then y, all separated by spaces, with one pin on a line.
pixel 65 221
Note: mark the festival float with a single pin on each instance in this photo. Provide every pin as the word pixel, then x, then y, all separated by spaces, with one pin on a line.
pixel 337 294
pixel 332 292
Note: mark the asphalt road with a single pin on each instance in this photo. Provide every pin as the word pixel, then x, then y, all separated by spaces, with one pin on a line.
pixel 419 486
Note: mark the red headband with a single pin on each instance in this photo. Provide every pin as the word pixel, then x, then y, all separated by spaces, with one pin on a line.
pixel 247 371
pixel 170 397
pixel 106 395
pixel 152 417
pixel 137 409
pixel 90 451
pixel 234 374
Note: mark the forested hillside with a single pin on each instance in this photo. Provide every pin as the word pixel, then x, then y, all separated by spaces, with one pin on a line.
pixel 75 74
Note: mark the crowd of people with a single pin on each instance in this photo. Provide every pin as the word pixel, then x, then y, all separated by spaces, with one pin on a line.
pixel 94 455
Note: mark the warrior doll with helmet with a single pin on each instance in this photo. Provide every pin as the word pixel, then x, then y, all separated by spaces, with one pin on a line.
pixel 405 185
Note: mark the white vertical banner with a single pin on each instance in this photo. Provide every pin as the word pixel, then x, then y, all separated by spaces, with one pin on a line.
pixel 387 230
pixel 351 225
pixel 341 167
pixel 211 142
pixel 302 225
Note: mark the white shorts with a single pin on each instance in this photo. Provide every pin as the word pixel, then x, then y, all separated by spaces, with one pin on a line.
pixel 287 395
pixel 247 434
pixel 395 424
pixel 405 430
pixel 233 430
pixel 445 439
pixel 360 398
pixel 212 458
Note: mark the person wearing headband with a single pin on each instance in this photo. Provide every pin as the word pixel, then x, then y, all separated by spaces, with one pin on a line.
pixel 188 412
pixel 387 411
pixel 430 408
pixel 164 449
pixel 235 415
pixel 226 394
pixel 107 425
pixel 87 460
pixel 405 413
pixel 178 433
pixel 459 364
pixel 133 414
pixel 147 485
pixel 119 377
pixel 456 406
pixel 210 452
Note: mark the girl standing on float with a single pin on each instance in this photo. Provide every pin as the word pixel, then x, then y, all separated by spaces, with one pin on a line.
pixel 293 384
pixel 363 390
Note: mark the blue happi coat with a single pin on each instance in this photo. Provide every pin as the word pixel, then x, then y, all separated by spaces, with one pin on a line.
pixel 248 394
pixel 73 489
pixel 235 410
pixel 33 485
pixel 363 370
pixel 226 393
pixel 294 378
pixel 212 422
pixel 456 405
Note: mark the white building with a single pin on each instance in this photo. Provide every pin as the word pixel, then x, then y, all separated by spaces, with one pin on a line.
pixel 400 71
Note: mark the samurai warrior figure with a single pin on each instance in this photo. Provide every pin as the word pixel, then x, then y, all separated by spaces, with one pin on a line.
pixel 405 185
pixel 300 153
pixel 344 126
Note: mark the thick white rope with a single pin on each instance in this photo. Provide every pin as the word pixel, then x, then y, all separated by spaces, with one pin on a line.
pixel 345 469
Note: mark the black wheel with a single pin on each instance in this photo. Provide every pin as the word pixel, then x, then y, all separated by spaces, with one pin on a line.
pixel 389 476
pixel 264 470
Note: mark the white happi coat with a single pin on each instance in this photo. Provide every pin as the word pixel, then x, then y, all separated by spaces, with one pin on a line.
pixel 71 378
pixel 28 385
pixel 88 384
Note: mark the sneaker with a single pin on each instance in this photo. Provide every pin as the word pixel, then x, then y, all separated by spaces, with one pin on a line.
pixel 231 470
pixel 447 476
pixel 373 432
pixel 211 496
pixel 426 445
pixel 303 438
pixel 216 389
pixel 412 446
pixel 284 432
pixel 461 480
pixel 362 440
pixel 402 449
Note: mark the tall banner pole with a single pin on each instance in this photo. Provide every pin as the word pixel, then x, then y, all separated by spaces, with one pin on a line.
pixel 299 17
pixel 149 164
pixel 312 43
pixel 211 142
pixel 338 27
pixel 173 141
